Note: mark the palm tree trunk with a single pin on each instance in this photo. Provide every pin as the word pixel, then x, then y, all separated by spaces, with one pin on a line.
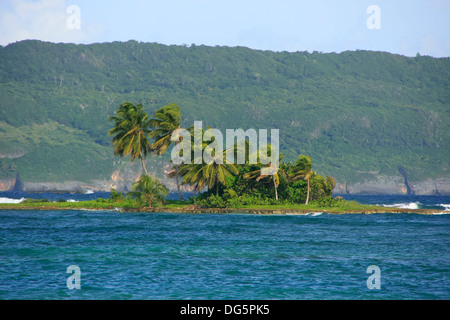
pixel 276 191
pixel 217 179
pixel 143 166
pixel 149 201
pixel 307 194
pixel 178 184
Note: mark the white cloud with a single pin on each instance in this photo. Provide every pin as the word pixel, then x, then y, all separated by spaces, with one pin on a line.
pixel 43 20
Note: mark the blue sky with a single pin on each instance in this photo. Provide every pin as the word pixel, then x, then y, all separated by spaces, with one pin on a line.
pixel 407 26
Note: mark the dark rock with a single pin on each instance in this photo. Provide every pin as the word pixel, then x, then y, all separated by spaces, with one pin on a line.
pixel 18 185
pixel 409 187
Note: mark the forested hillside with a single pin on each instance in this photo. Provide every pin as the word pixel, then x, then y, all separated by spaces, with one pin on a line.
pixel 357 114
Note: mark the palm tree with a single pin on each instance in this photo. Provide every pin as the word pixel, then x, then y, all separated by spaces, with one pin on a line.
pixel 302 169
pixel 325 185
pixel 166 121
pixel 193 175
pixel 130 131
pixel 207 174
pixel 204 175
pixel 274 169
pixel 215 173
pixel 186 170
pixel 148 190
pixel 330 184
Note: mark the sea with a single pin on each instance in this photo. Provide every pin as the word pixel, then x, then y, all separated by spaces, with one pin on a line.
pixel 104 255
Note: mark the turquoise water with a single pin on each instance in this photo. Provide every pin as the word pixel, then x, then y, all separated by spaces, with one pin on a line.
pixel 222 256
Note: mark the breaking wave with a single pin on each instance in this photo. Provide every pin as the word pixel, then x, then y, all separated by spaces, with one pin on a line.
pixel 440 213
pixel 410 205
pixel 10 200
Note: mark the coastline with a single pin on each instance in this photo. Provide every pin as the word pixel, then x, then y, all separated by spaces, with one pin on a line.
pixel 190 209
pixel 282 211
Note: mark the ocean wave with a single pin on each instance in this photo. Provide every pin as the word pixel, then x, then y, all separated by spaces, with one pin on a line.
pixel 410 205
pixel 89 192
pixel 9 200
pixel 312 214
pixel 446 206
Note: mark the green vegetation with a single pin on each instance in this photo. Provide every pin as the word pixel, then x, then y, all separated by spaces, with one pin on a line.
pixel 226 184
pixel 282 188
pixel 129 204
pixel 209 173
pixel 165 122
pixel 357 114
pixel 45 204
pixel 259 175
pixel 147 190
pixel 130 131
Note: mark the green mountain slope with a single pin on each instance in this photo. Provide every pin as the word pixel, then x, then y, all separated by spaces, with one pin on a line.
pixel 358 114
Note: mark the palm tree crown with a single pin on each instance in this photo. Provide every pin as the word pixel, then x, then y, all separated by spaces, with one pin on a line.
pixel 207 174
pixel 165 121
pixel 130 132
pixel 302 169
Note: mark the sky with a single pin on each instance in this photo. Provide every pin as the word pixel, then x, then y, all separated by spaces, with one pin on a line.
pixel 405 27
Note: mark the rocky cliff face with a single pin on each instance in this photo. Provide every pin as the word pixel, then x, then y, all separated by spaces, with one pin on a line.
pixel 396 185
pixel 433 187
pixel 7 184
pixel 122 180
pixel 126 173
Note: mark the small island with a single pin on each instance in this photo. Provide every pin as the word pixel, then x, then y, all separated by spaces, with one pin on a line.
pixel 220 186
pixel 176 206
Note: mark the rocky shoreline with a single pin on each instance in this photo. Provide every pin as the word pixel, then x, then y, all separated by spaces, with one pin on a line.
pixel 199 210
pixel 281 211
